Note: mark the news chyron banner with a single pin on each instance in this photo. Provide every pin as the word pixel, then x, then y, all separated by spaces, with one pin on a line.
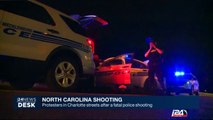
pixel 116 102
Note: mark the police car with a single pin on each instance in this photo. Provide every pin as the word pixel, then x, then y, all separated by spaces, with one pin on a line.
pixel 182 82
pixel 37 41
pixel 122 72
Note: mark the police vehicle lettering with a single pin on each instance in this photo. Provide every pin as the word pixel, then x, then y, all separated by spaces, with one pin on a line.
pixel 36 35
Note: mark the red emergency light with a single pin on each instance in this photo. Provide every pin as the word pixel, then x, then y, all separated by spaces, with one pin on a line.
pixel 91 44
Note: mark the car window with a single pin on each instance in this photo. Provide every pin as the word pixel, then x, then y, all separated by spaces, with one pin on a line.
pixel 136 64
pixel 27 9
pixel 74 26
pixel 113 62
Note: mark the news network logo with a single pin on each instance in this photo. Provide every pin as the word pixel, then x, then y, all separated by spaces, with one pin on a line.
pixel 26 102
pixel 179 113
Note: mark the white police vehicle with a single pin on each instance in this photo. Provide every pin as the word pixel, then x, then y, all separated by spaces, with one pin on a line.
pixel 183 82
pixel 123 72
pixel 36 41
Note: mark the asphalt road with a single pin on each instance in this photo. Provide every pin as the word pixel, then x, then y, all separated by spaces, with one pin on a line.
pixel 7 110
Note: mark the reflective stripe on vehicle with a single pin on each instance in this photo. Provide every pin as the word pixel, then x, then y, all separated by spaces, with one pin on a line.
pixel 115 72
pixel 58 40
pixel 11 29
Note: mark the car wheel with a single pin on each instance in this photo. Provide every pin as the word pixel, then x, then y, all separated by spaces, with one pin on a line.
pixel 63 74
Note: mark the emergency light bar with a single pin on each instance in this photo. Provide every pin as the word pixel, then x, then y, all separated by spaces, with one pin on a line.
pixel 179 73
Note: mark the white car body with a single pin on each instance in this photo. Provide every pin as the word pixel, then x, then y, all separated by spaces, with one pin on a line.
pixel 34 37
pixel 185 83
pixel 120 71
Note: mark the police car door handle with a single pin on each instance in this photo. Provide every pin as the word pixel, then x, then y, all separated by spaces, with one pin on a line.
pixel 53 31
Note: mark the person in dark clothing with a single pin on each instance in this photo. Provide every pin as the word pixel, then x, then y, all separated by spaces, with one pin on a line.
pixel 154 54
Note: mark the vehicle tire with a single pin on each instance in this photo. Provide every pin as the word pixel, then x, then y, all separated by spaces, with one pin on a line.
pixel 63 74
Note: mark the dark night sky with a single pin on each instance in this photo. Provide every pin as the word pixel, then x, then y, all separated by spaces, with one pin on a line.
pixel 182 28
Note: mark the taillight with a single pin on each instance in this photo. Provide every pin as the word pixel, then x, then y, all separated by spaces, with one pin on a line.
pixel 91 43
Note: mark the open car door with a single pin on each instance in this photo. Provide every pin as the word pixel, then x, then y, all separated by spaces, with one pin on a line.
pixel 113 72
pixel 90 22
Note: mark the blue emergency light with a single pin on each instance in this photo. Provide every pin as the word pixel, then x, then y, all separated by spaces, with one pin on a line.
pixel 129 56
pixel 179 73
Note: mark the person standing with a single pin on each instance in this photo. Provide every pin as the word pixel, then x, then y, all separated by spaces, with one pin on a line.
pixel 154 54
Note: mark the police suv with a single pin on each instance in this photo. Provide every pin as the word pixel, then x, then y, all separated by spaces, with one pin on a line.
pixel 37 41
